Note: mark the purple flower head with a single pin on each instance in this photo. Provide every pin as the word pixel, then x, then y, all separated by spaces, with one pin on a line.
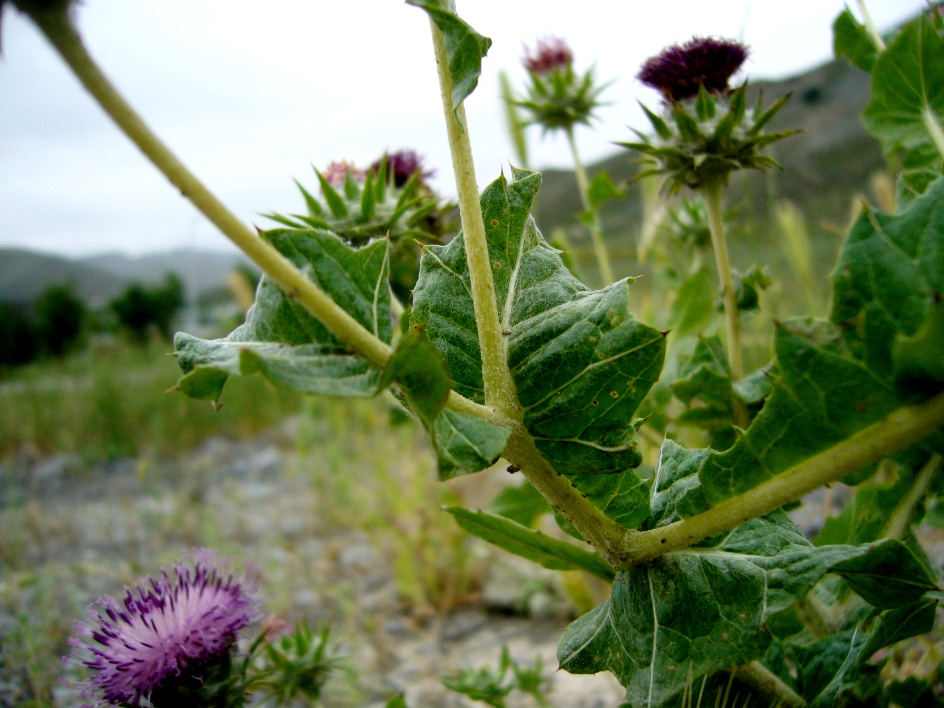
pixel 551 54
pixel 165 629
pixel 402 165
pixel 678 71
pixel 337 172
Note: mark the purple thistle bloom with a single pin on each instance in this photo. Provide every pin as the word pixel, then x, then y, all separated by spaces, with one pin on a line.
pixel 678 71
pixel 551 54
pixel 165 630
pixel 337 172
pixel 402 165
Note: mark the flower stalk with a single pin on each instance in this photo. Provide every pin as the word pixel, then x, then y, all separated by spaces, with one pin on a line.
pixel 596 233
pixel 713 193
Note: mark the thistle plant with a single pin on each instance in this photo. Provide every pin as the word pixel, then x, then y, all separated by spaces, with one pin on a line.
pixel 705 133
pixel 390 200
pixel 172 642
pixel 559 99
pixel 507 355
pixel 170 639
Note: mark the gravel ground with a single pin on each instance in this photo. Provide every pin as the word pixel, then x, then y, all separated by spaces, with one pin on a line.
pixel 70 532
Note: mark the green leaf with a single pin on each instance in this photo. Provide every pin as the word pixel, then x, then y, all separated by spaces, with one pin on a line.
pixel 887 575
pixel 835 670
pixel 696 611
pixel 530 544
pixel 466 443
pixel 822 395
pixel 851 40
pixel 601 189
pixel 919 168
pixel 522 504
pixel 908 88
pixel 283 341
pixel 465 48
pixel 624 497
pixel 865 516
pixel 418 369
pixel 396 702
pixel 832 671
pixel 902 623
pixel 888 285
pixel 704 386
pixel 692 309
pixel 582 364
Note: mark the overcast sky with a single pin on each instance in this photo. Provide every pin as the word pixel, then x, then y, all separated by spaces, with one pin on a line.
pixel 250 94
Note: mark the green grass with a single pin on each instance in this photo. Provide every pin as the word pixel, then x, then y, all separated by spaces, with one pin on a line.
pixel 114 401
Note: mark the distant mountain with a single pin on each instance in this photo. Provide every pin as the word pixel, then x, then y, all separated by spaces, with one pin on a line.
pixel 824 166
pixel 25 274
pixel 200 270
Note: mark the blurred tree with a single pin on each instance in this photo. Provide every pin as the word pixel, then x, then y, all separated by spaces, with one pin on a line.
pixel 140 309
pixel 60 318
pixel 19 342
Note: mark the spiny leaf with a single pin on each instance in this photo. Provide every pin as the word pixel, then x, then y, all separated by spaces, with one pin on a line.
pixel 283 341
pixel 582 364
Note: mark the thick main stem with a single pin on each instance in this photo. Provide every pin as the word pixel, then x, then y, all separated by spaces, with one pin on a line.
pixel 765 681
pixel 713 193
pixel 596 233
pixel 895 432
pixel 60 32
pixel 500 392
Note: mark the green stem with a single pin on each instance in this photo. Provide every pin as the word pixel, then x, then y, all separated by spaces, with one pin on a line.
pixel 713 193
pixel 892 433
pixel 596 234
pixel 765 681
pixel 500 391
pixel 870 26
pixel 900 521
pixel 600 531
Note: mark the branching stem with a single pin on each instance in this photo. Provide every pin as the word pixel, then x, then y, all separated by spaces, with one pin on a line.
pixel 889 435
pixel 713 193
pixel 500 392
pixel 596 233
